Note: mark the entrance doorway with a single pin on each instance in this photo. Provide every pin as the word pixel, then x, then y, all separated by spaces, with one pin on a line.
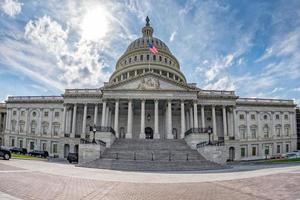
pixel 231 153
pixel 66 150
pixel 149 133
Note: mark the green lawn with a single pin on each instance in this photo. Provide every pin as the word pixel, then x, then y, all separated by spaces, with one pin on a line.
pixel 281 161
pixel 26 157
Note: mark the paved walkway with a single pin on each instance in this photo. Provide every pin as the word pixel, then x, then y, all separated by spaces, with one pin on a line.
pixel 42 180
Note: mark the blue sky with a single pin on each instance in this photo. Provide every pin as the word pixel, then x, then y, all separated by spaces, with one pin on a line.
pixel 250 46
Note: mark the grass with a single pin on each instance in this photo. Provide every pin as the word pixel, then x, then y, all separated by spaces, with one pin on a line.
pixel 282 161
pixel 25 157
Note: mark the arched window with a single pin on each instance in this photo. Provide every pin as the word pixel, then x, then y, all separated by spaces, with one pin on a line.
pixel 22 126
pixel 278 130
pixel 56 127
pixel 148 57
pixel 287 129
pixel 45 127
pixel 266 131
pixel 160 58
pixel 33 127
pixel 13 125
pixel 154 57
pixel 265 117
pixel 242 130
pixel 135 58
pixel 141 57
pixel 253 130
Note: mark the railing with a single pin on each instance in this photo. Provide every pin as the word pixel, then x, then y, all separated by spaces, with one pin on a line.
pixel 198 130
pixel 212 143
pixel 103 129
pixel 82 91
pixel 216 92
pixel 86 141
pixel 11 98
pixel 67 135
pixel 260 100
pixel 77 136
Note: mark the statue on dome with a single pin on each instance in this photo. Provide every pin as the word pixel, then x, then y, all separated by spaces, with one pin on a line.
pixel 147 21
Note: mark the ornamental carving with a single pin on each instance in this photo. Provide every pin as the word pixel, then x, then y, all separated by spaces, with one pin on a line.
pixel 149 83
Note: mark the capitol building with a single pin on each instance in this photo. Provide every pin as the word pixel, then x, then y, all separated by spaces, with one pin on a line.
pixel 148 98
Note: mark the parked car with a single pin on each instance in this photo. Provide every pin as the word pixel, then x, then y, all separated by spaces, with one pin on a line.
pixel 43 154
pixel 5 153
pixel 72 157
pixel 294 154
pixel 18 150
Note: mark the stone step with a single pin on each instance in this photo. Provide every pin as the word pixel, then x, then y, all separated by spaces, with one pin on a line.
pixel 139 165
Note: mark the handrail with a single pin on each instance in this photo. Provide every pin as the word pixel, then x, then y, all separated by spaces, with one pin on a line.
pixel 103 129
pixel 198 130
pixel 85 141
pixel 213 143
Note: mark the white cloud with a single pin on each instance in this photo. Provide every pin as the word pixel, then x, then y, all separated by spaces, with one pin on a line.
pixel 11 7
pixel 47 33
pixel 172 36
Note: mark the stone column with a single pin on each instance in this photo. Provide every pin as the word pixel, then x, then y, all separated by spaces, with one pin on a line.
pixel 142 134
pixel 156 134
pixel 202 117
pixel 18 119
pixel 224 121
pixel 64 126
pixel 103 113
pixel 74 121
pixel 182 119
pixel 39 123
pixel 169 113
pixel 51 113
pixel 235 133
pixel 191 118
pixel 129 120
pixel 116 123
pixel 195 115
pixel 84 121
pixel 108 118
pixel 96 114
pixel 26 121
pixel 187 120
pixel 215 135
pixel 7 124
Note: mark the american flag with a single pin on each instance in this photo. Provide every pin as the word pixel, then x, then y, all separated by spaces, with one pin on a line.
pixel 152 48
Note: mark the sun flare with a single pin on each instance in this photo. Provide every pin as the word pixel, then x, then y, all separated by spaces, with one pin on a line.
pixel 94 24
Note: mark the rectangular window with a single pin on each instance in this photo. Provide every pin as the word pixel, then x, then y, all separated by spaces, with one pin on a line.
pixel 267 150
pixel 253 132
pixel 55 130
pixel 46 114
pixel 278 148
pixel 287 148
pixel 31 144
pixel 21 143
pixel 286 117
pixel 242 117
pixel 56 114
pixel 12 142
pixel 54 148
pixel 277 116
pixel 253 151
pixel 243 152
pixel 253 117
pixel 44 147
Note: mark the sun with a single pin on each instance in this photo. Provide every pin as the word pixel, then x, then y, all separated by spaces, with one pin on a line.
pixel 94 25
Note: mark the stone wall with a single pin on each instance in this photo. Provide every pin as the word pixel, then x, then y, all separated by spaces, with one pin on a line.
pixel 89 152
pixel 217 154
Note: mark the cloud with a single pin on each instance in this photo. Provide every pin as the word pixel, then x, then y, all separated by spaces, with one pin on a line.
pixel 172 36
pixel 47 33
pixel 11 7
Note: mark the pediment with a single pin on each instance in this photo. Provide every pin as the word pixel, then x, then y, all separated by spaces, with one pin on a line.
pixel 149 82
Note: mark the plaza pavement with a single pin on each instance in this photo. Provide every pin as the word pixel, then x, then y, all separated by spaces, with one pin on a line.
pixel 24 179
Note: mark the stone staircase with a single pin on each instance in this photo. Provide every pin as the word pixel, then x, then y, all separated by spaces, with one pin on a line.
pixel 151 155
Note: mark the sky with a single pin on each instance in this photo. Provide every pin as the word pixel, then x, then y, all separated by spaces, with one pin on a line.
pixel 250 46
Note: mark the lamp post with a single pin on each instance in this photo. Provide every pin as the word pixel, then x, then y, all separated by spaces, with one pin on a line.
pixel 209 131
pixel 94 131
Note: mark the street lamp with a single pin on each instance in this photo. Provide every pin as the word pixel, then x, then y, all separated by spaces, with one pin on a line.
pixel 94 131
pixel 209 131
